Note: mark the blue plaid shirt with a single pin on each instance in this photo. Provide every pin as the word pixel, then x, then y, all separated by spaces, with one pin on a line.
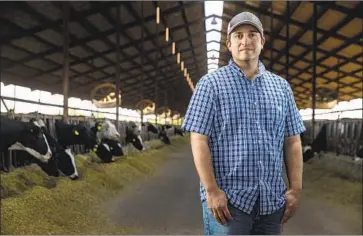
pixel 246 121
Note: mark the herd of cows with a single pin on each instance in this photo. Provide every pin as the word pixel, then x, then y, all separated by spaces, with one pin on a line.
pixel 53 154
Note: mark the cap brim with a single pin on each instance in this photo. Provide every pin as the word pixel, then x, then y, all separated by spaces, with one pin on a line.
pixel 245 22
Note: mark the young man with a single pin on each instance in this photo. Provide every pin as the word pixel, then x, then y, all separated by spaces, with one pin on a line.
pixel 241 117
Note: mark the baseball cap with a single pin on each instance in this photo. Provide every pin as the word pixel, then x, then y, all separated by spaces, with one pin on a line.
pixel 244 18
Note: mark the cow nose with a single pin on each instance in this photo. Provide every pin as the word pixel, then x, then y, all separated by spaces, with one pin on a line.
pixel 74 177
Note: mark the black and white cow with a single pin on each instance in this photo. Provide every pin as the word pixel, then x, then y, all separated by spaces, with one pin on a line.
pixel 178 131
pixel 319 145
pixel 108 135
pixel 161 131
pixel 62 162
pixel 163 134
pixel 359 155
pixel 72 134
pixel 133 136
pixel 25 136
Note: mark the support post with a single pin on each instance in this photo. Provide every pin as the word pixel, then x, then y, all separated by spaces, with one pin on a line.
pixel 156 84
pixel 272 41
pixel 117 69
pixel 142 60
pixel 65 59
pixel 314 46
pixel 288 39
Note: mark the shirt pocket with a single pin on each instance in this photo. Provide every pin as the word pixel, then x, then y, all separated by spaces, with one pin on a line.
pixel 274 110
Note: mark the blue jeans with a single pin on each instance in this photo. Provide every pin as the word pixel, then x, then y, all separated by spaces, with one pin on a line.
pixel 243 223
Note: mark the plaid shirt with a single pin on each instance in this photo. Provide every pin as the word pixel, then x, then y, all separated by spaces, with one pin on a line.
pixel 246 121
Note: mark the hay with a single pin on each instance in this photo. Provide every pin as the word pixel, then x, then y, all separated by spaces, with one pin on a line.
pixel 31 205
pixel 330 179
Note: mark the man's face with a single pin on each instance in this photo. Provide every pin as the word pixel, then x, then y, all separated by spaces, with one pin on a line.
pixel 245 43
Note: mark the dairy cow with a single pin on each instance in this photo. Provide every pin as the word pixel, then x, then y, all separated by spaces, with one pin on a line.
pixel 25 136
pixel 318 146
pixel 62 162
pixel 108 135
pixel 133 136
pixel 72 134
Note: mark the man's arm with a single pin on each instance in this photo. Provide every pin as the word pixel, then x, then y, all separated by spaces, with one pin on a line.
pixel 294 169
pixel 294 161
pixel 216 198
pixel 203 161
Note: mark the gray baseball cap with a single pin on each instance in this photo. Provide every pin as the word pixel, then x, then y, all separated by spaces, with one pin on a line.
pixel 245 18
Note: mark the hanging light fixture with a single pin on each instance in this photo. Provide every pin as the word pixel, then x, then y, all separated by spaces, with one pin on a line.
pixel 178 58
pixel 157 15
pixel 167 34
pixel 173 48
pixel 182 66
pixel 185 72
pixel 214 21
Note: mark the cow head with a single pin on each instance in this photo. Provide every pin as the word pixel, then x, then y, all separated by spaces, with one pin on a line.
pixel 62 159
pixel 151 128
pixel 103 151
pixel 133 137
pixel 106 130
pixel 115 147
pixel 84 135
pixel 32 140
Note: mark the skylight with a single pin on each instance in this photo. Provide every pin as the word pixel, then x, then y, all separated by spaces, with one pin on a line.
pixel 213 38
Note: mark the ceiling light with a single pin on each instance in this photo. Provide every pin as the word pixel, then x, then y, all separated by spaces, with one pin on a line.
pixel 167 34
pixel 214 21
pixel 157 15
pixel 173 48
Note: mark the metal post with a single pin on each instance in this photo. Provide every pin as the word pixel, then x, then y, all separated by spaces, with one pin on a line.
pixel 156 85
pixel 314 25
pixel 142 59
pixel 65 59
pixel 361 131
pixel 272 42
pixel 287 39
pixel 117 69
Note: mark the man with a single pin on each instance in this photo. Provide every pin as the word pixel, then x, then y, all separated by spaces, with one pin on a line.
pixel 241 116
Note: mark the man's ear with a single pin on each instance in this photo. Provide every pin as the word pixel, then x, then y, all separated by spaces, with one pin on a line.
pixel 228 44
pixel 263 41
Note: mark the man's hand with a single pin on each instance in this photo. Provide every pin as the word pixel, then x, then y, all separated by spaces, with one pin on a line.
pixel 217 203
pixel 292 203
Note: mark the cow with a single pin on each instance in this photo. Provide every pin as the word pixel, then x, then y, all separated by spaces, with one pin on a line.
pixel 71 134
pixel 62 162
pixel 26 136
pixel 163 135
pixel 318 146
pixel 151 128
pixel 133 136
pixel 161 131
pixel 178 131
pixel 107 134
pixel 359 154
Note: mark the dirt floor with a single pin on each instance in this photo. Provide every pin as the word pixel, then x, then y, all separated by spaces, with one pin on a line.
pixel 168 202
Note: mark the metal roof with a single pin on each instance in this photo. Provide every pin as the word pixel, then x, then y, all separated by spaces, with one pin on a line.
pixel 32 47
pixel 31 39
pixel 339 50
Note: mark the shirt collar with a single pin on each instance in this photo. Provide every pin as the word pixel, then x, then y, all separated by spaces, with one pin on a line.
pixel 261 68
